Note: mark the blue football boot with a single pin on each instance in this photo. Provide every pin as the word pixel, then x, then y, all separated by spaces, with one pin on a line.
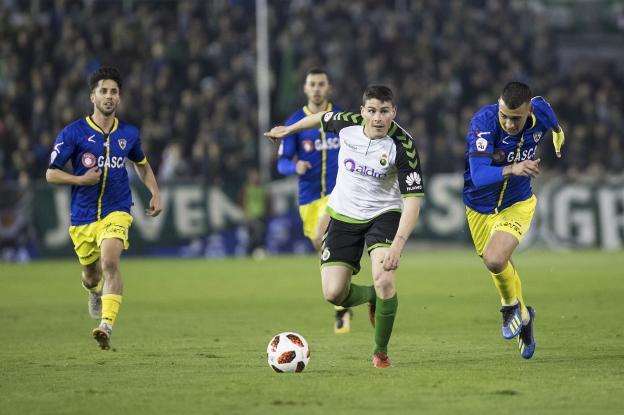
pixel 526 341
pixel 512 320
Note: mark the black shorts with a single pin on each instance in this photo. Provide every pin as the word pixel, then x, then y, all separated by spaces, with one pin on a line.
pixel 343 242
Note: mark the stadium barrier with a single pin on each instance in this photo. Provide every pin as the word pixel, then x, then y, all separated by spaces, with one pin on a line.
pixel 200 220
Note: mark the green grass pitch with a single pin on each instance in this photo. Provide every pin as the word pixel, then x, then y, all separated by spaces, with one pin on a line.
pixel 191 339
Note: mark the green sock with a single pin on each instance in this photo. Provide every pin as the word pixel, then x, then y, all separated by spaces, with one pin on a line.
pixel 359 294
pixel 384 320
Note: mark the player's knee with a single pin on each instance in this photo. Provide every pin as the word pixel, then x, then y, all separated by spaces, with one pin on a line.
pixel 384 285
pixel 91 275
pixel 494 262
pixel 334 295
pixel 110 266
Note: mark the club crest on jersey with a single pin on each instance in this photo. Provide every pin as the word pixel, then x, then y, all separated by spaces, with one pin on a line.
pixel 88 160
pixel 537 136
pixel 308 146
pixel 384 160
pixel 122 143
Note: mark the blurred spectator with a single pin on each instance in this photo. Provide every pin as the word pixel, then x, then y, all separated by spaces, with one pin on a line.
pixel 189 69
pixel 16 233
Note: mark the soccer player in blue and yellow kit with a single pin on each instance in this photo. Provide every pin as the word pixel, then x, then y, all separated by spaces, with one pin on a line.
pixel 500 162
pixel 98 146
pixel 316 164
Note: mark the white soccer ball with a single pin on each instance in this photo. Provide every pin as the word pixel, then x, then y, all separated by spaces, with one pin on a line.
pixel 288 352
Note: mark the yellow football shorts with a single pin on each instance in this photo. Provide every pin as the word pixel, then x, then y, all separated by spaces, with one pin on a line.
pixel 88 238
pixel 310 214
pixel 516 220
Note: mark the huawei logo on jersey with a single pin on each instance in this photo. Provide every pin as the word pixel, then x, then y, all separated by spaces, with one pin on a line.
pixel 88 160
pixel 413 178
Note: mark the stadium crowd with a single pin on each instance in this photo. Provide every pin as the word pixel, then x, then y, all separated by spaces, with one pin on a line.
pixel 189 70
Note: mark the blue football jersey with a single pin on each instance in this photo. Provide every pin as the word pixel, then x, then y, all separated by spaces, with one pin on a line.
pixel 86 145
pixel 487 138
pixel 318 148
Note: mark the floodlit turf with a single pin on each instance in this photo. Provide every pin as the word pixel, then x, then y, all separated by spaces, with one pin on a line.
pixel 191 339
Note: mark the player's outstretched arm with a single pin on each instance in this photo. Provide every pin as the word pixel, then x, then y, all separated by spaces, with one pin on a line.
pixel 146 174
pixel 58 176
pixel 306 123
pixel 409 217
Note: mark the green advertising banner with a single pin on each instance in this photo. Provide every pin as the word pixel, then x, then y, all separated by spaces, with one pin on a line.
pixel 570 213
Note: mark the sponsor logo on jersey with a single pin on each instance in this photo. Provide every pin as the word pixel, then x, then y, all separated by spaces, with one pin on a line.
pixel 307 145
pixel 526 154
pixel 353 167
pixel 90 139
pixel 537 136
pixel 113 162
pixel 88 160
pixel 332 143
pixel 413 178
pixel 122 143
pixel 351 146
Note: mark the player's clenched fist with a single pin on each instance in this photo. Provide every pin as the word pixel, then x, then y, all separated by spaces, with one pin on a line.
pixel 527 168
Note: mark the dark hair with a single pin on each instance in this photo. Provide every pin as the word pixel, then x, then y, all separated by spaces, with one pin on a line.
pixel 380 92
pixel 317 71
pixel 105 72
pixel 515 94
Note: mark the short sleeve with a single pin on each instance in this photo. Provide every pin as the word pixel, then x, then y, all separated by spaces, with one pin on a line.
pixel 333 122
pixel 64 147
pixel 136 154
pixel 407 162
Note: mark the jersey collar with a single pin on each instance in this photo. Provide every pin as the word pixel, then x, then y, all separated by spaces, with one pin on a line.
pixel 98 129
pixel 307 111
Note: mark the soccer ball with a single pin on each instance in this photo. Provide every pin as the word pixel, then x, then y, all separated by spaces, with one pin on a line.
pixel 288 352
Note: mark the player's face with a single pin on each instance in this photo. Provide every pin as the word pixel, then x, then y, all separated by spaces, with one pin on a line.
pixel 105 96
pixel 316 88
pixel 513 120
pixel 378 115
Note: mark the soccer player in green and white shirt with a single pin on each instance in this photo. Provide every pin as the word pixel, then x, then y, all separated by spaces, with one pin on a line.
pixel 376 202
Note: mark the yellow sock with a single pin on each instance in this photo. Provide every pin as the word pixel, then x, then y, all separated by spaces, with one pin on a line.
pixel 110 308
pixel 505 282
pixel 97 288
pixel 518 285
pixel 338 307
